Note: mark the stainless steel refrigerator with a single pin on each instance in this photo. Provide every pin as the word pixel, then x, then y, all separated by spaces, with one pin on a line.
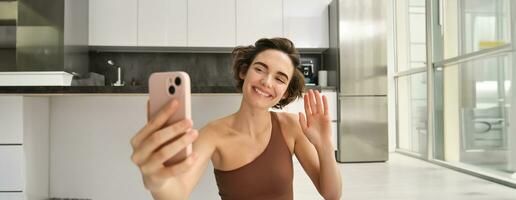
pixel 358 52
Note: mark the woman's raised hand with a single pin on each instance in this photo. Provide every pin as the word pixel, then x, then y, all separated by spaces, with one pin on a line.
pixel 151 147
pixel 317 124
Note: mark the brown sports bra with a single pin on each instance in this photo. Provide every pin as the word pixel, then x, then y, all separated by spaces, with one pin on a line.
pixel 269 176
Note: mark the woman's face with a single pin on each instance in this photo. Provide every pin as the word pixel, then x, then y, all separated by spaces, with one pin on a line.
pixel 267 78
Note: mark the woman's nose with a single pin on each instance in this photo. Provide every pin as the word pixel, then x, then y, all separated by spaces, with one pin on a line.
pixel 266 81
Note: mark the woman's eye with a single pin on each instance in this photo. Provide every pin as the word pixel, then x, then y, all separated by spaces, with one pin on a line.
pixel 260 70
pixel 282 81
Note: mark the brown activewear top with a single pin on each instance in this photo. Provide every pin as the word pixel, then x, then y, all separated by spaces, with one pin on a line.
pixel 269 176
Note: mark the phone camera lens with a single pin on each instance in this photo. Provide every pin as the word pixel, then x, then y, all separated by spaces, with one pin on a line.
pixel 178 81
pixel 171 89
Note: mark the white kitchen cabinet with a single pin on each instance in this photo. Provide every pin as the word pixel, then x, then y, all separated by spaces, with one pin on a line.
pixel 11 119
pixel 295 106
pixel 11 195
pixel 211 23
pixel 331 96
pixel 200 23
pixel 334 133
pixel 162 23
pixel 11 168
pixel 113 22
pixel 24 164
pixel 306 22
pixel 258 19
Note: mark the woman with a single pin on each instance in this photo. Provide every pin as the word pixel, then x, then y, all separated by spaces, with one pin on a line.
pixel 251 149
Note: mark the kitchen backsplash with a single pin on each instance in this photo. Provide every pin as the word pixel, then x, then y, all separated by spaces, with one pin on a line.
pixel 205 69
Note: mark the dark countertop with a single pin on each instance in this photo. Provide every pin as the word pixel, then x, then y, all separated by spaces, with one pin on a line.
pixel 115 90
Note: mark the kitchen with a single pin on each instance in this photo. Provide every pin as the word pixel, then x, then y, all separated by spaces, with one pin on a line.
pixel 90 94
pixel 74 90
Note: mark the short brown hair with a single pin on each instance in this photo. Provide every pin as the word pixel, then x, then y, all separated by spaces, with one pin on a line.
pixel 243 57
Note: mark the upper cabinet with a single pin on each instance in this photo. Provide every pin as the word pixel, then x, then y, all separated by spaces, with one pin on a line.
pixel 305 22
pixel 211 23
pixel 207 23
pixel 162 23
pixel 258 19
pixel 113 22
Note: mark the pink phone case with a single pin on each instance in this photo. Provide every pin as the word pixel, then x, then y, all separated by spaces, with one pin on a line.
pixel 160 94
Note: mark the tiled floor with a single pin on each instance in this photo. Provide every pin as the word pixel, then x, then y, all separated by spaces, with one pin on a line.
pixel 405 178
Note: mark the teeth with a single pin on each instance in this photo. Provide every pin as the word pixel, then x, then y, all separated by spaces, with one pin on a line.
pixel 261 92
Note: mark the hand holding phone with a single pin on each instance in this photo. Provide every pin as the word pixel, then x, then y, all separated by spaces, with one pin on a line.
pixel 163 88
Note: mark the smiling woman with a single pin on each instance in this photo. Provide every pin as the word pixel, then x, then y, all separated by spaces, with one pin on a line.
pixel 251 149
pixel 243 57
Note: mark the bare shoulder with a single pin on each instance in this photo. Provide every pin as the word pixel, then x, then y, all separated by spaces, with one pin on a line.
pixel 218 124
pixel 215 133
pixel 290 121
pixel 214 130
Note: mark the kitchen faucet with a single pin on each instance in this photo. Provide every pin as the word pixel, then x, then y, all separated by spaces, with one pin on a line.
pixel 119 70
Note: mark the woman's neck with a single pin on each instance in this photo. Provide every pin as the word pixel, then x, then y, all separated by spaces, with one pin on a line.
pixel 251 120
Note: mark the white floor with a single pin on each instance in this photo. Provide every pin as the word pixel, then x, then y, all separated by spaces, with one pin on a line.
pixel 405 178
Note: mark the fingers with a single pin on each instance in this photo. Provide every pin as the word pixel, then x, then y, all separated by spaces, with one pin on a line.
pixel 325 103
pixel 308 110
pixel 314 103
pixel 154 124
pixel 313 106
pixel 164 114
pixel 179 168
pixel 148 110
pixel 318 102
pixel 157 139
pixel 156 160
pixel 302 121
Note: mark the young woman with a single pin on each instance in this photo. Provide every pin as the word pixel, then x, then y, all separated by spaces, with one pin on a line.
pixel 251 149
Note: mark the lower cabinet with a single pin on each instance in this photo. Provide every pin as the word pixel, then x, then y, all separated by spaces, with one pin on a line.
pixel 11 168
pixel 11 149
pixel 24 161
pixel 11 196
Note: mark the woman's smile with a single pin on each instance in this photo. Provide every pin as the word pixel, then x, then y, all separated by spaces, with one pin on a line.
pixel 262 92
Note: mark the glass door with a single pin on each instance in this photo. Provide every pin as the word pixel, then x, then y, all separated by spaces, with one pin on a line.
pixel 411 78
pixel 473 71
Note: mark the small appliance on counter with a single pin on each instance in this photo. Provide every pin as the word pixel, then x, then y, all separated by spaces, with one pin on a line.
pixel 308 69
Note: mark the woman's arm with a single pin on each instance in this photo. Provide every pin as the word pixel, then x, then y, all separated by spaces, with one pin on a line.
pixel 181 186
pixel 314 148
pixel 151 150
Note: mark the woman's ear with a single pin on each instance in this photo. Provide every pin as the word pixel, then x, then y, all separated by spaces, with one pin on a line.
pixel 242 74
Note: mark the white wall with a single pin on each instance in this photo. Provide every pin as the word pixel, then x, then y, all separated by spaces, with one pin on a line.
pixel 90 147
pixel 90 150
pixel 36 147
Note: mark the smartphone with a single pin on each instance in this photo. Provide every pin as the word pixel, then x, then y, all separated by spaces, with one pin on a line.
pixel 163 88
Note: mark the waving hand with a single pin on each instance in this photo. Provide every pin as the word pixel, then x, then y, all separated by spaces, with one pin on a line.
pixel 316 125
